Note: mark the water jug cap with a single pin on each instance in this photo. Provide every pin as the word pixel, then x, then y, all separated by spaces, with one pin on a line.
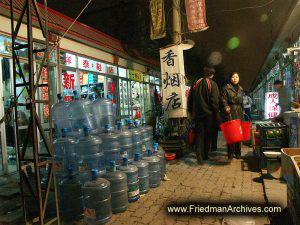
pixel 107 126
pixel 64 132
pixel 125 161
pixel 149 152
pixel 136 156
pixel 94 174
pixel 112 165
pixel 136 124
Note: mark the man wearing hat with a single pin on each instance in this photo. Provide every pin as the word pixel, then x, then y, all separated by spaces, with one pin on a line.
pixel 206 113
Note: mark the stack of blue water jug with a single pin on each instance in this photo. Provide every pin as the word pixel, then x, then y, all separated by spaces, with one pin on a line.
pixel 100 167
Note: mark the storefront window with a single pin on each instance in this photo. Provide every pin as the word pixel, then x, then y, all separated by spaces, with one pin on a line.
pixel 22 52
pixel 124 98
pixel 110 69
pixel 91 84
pixel 112 89
pixel 146 78
pixel 152 79
pixel 137 99
pixel 147 105
pixel 40 55
pixel 122 72
pixel 5 45
pixel 157 81
pixel 7 93
pixel 69 84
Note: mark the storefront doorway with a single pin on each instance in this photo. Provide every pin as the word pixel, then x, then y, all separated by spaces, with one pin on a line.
pixel 8 149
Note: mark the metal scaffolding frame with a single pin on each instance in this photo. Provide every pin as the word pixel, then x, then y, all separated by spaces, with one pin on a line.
pixel 26 157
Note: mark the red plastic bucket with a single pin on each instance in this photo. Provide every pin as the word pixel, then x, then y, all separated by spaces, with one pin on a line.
pixel 232 131
pixel 246 128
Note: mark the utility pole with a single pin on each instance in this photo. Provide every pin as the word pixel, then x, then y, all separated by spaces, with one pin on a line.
pixel 176 22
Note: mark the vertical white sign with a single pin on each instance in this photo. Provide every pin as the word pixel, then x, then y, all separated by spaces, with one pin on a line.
pixel 272 108
pixel 173 81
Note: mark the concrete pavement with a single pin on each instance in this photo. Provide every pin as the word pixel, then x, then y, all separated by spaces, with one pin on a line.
pixel 216 181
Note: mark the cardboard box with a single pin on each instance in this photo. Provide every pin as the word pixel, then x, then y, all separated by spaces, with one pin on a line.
pixel 295 192
pixel 287 165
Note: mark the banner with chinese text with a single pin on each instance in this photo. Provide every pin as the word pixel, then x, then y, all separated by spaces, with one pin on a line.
pixel 91 65
pixel 173 81
pixel 158 22
pixel 196 15
pixel 69 84
pixel 135 75
pixel 272 108
pixel 45 96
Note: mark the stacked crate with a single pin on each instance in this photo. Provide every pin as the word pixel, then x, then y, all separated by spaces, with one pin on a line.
pixel 273 137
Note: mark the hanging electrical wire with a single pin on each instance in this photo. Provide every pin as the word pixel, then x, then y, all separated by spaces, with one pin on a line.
pixel 245 8
pixel 70 26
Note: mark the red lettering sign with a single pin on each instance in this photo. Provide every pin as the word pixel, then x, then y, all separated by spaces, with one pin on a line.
pixel 99 67
pixel 68 98
pixel 110 70
pixel 46 111
pixel 81 78
pixel 68 60
pixel 86 64
pixel 69 81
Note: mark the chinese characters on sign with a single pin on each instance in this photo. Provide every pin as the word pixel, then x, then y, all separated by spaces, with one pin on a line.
pixel 169 58
pixel 173 82
pixel 70 60
pixel 91 65
pixel 45 92
pixel 157 22
pixel 135 75
pixel 174 101
pixel 196 15
pixel 69 80
pixel 271 105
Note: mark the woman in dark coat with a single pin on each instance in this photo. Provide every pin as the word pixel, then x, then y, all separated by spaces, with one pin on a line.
pixel 232 108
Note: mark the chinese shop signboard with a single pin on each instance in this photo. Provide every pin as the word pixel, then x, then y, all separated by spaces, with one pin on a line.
pixel 45 92
pixel 111 69
pixel 91 65
pixel 69 84
pixel 272 108
pixel 173 81
pixel 135 75
pixel 196 15
pixel 70 60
